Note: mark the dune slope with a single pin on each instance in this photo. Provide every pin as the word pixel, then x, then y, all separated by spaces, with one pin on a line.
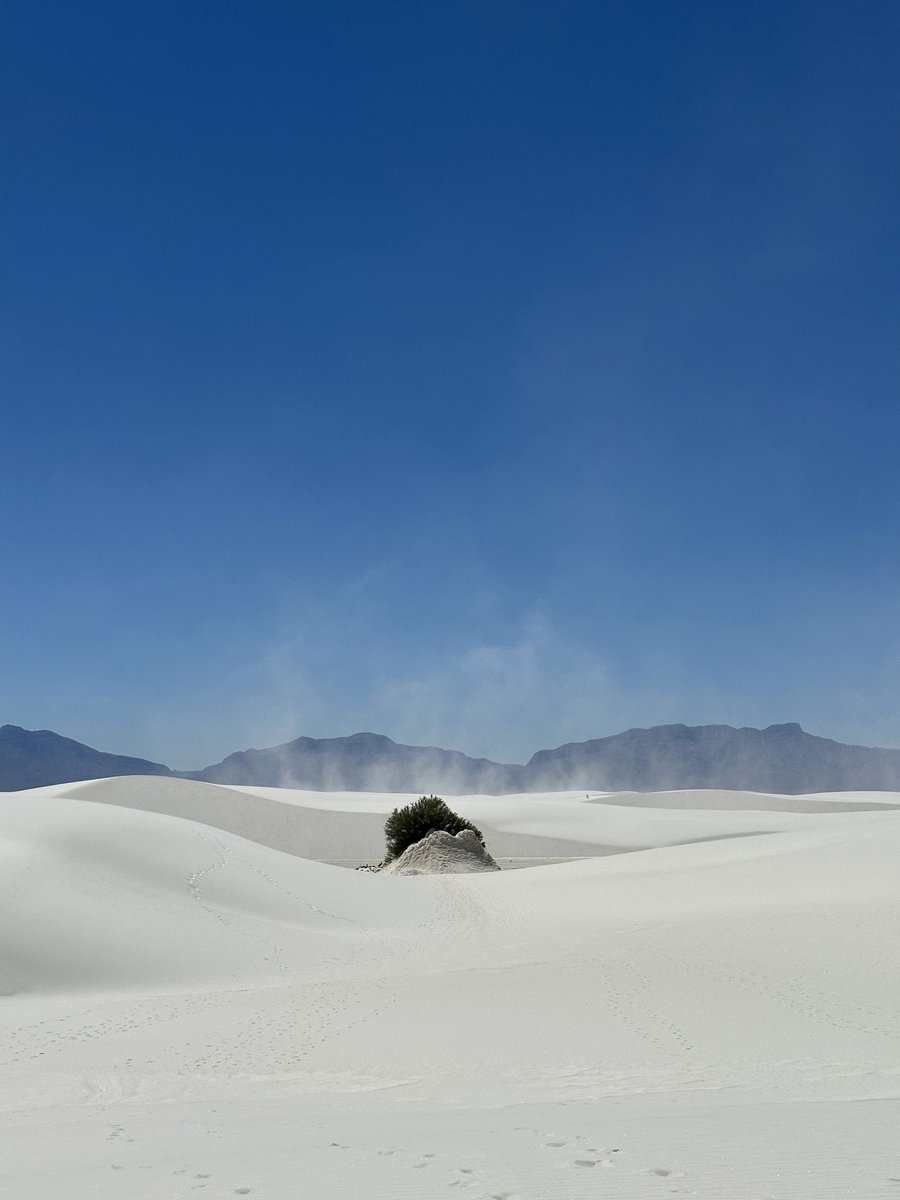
pixel 189 1011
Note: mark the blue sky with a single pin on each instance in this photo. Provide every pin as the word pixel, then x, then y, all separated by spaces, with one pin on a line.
pixel 488 373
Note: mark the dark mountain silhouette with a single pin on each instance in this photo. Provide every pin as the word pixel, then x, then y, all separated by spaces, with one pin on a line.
pixel 781 758
pixel 32 758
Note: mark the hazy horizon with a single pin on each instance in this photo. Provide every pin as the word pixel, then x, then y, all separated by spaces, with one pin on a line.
pixel 196 764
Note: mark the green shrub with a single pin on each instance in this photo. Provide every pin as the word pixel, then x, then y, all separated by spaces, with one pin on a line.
pixel 408 825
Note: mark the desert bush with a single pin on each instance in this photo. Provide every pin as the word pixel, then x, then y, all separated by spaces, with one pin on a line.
pixel 408 825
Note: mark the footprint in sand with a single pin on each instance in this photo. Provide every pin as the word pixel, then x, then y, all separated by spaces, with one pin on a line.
pixel 465 1177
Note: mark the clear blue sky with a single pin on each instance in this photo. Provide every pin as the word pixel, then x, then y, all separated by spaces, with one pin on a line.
pixel 492 373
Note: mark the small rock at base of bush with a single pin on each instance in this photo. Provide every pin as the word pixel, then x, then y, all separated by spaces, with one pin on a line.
pixel 442 853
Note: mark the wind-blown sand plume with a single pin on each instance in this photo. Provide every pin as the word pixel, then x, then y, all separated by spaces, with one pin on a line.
pixel 191 1011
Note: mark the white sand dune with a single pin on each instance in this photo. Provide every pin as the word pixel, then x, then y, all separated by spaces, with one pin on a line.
pixel 698 1005
pixel 349 826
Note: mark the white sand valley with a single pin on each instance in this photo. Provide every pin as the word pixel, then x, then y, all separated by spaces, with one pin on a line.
pixel 705 1001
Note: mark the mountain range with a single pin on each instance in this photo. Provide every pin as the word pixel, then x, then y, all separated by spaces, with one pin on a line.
pixel 780 758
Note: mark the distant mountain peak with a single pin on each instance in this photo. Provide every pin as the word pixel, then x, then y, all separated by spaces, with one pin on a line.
pixel 779 758
pixel 37 757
